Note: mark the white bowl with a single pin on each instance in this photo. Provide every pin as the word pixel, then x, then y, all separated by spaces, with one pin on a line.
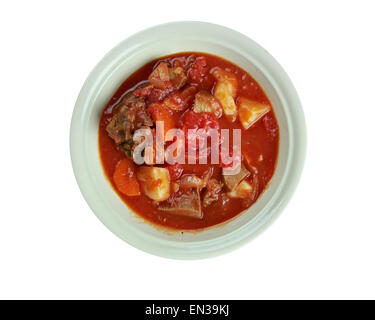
pixel 130 55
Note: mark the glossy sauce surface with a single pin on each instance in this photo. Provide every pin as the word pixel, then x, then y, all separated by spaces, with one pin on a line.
pixel 260 145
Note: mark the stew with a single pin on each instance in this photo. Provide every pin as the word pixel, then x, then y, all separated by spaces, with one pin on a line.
pixel 192 94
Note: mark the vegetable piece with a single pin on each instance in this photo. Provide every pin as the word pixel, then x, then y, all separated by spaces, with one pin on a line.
pixel 194 121
pixel 198 71
pixel 205 102
pixel 125 179
pixel 184 203
pixel 155 182
pixel 161 113
pixel 251 111
pixel 225 92
pixel 232 181
pixel 243 190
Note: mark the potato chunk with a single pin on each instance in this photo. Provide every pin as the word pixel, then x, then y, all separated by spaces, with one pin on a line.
pixel 243 190
pixel 205 102
pixel 155 182
pixel 225 91
pixel 251 111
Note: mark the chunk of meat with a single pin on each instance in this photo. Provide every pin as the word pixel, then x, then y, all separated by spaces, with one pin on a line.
pixel 178 77
pixel 206 102
pixel 185 202
pixel 243 190
pixel 159 77
pixel 130 115
pixel 181 100
pixel 155 182
pixel 212 192
pixel 143 90
pixel 163 76
pixel 152 94
pixel 250 111
pixel 232 181
pixel 226 91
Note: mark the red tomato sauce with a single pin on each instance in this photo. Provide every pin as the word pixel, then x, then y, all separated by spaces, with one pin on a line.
pixel 260 142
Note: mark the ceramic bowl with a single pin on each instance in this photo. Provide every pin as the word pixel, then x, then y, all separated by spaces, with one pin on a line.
pixel 126 58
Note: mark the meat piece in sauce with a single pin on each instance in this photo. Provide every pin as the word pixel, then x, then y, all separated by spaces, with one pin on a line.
pixel 152 94
pixel 206 102
pixel 212 192
pixel 164 77
pixel 185 202
pixel 232 181
pixel 181 100
pixel 130 115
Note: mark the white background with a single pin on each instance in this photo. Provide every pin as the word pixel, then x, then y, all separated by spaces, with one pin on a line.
pixel 53 246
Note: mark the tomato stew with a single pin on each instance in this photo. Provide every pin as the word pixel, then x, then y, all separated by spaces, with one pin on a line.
pixel 189 90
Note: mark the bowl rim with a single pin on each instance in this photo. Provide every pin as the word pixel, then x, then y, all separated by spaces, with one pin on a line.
pixel 297 121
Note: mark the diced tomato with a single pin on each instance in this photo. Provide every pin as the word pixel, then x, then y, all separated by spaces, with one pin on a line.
pixel 125 178
pixel 198 71
pixel 192 122
pixel 175 171
pixel 203 120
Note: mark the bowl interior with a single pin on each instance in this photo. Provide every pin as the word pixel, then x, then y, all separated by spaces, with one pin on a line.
pixel 115 67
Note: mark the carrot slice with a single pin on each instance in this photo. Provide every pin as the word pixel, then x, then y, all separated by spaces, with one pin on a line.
pixel 161 113
pixel 125 178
